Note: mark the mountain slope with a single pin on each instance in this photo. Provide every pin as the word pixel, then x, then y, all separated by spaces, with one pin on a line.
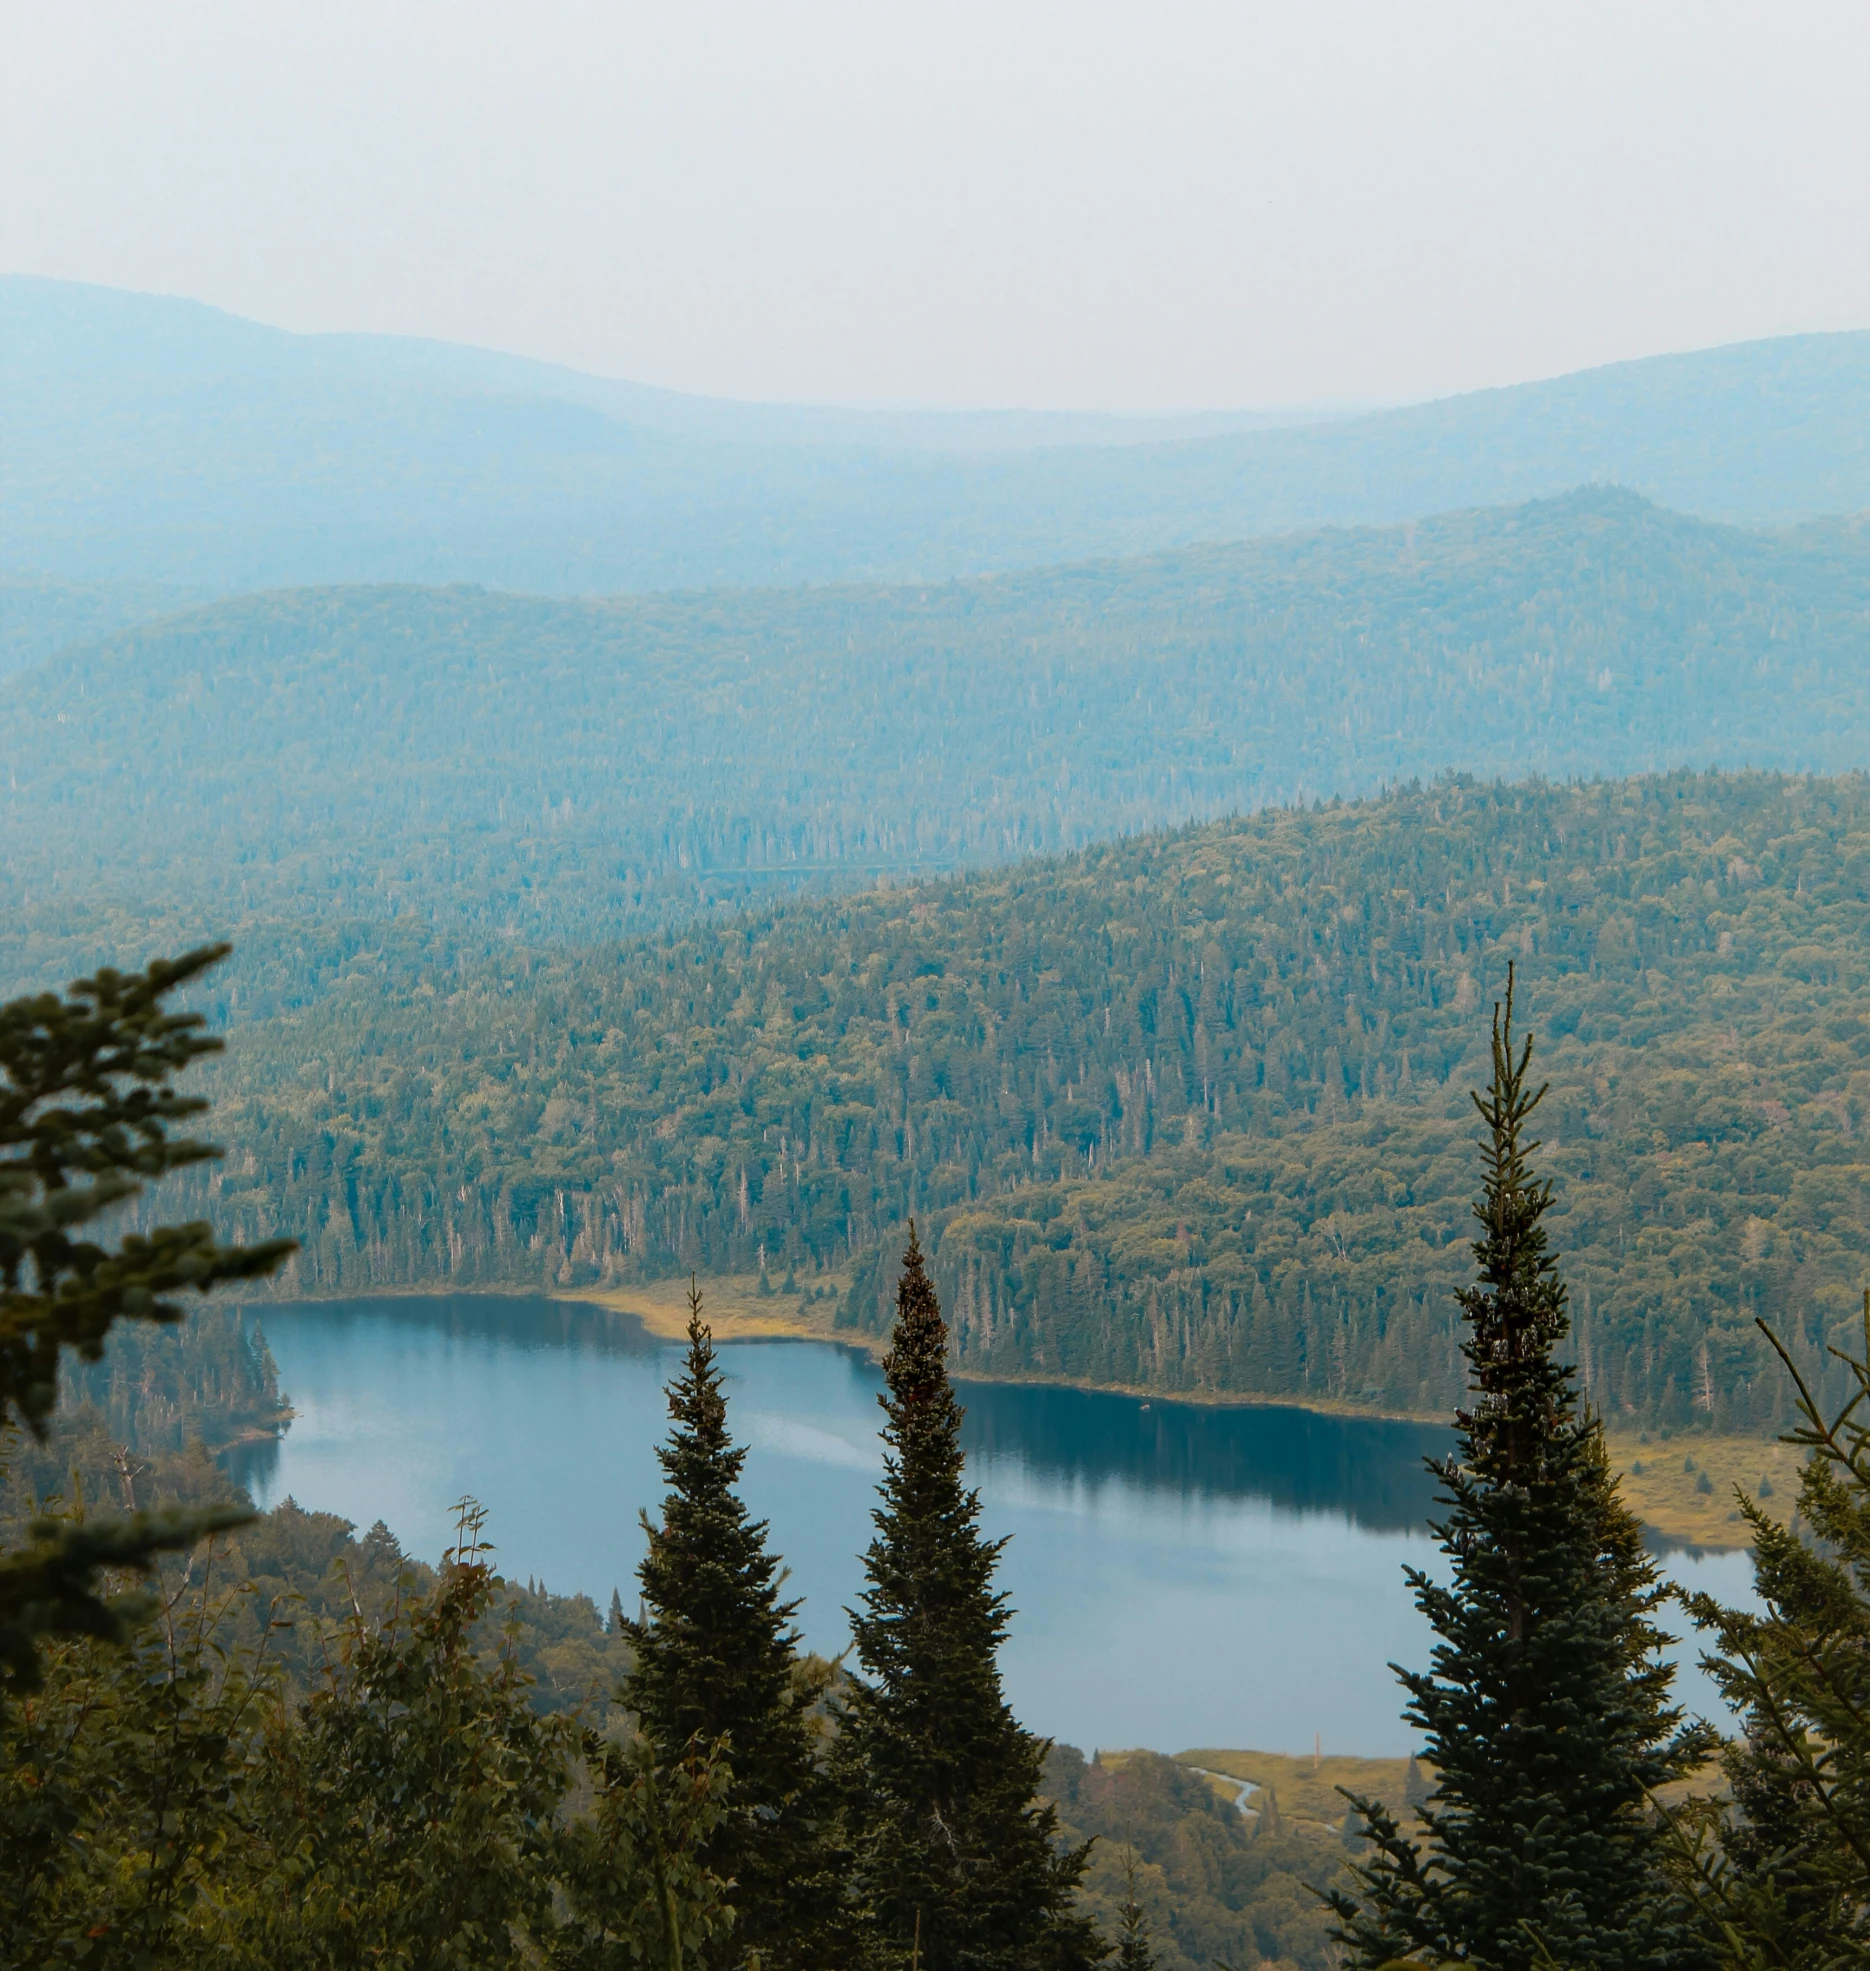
pixel 512 767
pixel 152 440
pixel 39 619
pixel 1188 1112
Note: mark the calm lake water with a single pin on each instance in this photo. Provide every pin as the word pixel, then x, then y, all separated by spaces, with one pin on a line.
pixel 1183 1575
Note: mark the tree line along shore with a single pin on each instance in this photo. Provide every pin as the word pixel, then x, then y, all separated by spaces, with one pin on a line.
pixel 226 1738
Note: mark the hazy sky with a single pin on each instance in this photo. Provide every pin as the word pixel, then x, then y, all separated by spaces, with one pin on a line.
pixel 1149 205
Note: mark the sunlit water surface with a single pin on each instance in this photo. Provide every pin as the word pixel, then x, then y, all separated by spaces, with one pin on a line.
pixel 1183 1574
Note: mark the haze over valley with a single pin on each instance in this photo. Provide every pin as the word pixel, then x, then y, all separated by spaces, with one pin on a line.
pixel 145 440
pixel 484 868
pixel 901 915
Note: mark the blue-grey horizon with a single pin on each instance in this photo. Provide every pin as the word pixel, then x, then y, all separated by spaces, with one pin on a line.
pixel 1092 208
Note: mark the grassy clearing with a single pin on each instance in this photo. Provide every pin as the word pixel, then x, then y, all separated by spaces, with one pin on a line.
pixel 734 1308
pixel 1306 1788
pixel 1684 1486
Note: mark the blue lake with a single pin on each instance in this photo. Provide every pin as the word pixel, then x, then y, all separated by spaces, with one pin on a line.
pixel 1183 1574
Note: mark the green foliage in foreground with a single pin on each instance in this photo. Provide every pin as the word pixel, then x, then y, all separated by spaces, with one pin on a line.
pixel 346 1759
pixel 87 1107
pixel 1186 1112
pixel 182 1802
pixel 180 1731
pixel 363 1864
pixel 1784 1874
pixel 717 1664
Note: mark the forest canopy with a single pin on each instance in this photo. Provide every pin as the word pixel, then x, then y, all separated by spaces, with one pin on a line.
pixel 1187 1112
pixel 451 770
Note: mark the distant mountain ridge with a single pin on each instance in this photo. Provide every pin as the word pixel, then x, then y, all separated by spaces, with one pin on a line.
pixel 54 328
pixel 144 440
pixel 495 767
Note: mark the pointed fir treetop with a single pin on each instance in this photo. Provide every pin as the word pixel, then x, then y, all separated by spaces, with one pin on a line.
pixel 958 1863
pixel 1516 1310
pixel 929 1557
pixel 717 1669
pixel 1546 1715
pixel 715 1652
pixel 919 1399
pixel 916 1367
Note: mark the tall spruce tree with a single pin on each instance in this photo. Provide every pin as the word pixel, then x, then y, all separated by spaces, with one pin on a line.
pixel 1547 1711
pixel 958 1864
pixel 717 1664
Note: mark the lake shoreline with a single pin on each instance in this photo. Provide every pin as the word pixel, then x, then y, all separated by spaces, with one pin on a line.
pixel 1660 1478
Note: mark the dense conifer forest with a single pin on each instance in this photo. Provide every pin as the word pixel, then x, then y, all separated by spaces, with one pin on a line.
pixel 242 1740
pixel 1186 1112
pixel 1213 1881
pixel 452 771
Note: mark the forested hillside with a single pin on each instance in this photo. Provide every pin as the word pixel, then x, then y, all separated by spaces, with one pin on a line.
pixel 1187 1112
pixel 486 767
pixel 150 440
pixel 39 619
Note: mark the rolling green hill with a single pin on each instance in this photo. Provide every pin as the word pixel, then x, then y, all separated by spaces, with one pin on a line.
pixel 153 440
pixel 1187 1112
pixel 485 768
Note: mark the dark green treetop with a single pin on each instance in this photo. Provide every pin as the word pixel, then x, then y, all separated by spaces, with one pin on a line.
pixel 1546 1712
pixel 958 1864
pixel 86 1109
pixel 717 1665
